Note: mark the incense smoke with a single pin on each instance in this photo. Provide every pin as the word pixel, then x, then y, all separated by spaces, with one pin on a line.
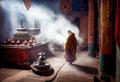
pixel 53 26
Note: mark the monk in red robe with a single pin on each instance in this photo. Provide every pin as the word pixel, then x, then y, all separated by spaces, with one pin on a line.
pixel 70 47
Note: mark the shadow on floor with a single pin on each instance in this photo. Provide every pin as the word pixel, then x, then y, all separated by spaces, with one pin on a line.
pixel 86 69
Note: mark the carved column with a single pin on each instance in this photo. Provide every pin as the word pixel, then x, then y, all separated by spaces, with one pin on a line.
pixel 117 36
pixel 91 21
pixel 107 49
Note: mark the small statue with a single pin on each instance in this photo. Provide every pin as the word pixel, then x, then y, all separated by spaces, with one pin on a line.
pixel 41 66
pixel 41 58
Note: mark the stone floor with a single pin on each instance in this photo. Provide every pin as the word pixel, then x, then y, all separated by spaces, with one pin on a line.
pixel 82 70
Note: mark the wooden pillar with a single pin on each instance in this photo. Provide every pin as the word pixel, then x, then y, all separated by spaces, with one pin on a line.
pixel 91 21
pixel 107 49
pixel 117 36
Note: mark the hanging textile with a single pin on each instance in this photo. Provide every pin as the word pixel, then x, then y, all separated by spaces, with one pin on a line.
pixel 27 3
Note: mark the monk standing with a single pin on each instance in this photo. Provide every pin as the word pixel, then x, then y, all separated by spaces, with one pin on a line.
pixel 70 47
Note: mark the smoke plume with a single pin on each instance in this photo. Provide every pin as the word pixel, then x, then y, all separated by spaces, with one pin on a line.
pixel 53 26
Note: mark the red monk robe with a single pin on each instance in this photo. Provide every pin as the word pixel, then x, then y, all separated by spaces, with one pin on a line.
pixel 70 47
